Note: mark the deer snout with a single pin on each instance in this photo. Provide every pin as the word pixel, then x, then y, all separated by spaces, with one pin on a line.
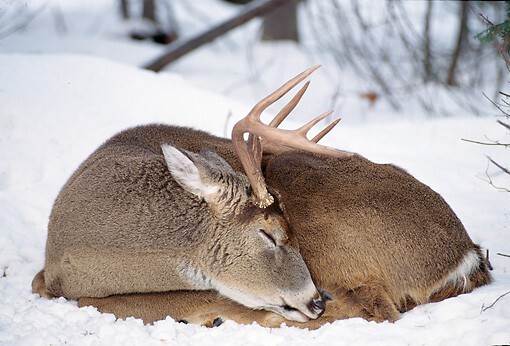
pixel 317 306
pixel 303 310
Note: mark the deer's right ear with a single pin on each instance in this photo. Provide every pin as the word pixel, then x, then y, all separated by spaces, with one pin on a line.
pixel 186 173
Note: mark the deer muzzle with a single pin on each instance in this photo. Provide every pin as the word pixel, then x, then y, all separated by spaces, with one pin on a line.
pixel 301 310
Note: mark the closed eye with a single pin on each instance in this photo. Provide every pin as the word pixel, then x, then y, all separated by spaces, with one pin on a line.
pixel 267 236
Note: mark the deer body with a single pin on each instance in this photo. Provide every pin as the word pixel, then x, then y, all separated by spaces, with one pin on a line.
pixel 132 224
pixel 373 223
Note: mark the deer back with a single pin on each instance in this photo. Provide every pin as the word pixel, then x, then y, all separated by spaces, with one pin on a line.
pixel 373 222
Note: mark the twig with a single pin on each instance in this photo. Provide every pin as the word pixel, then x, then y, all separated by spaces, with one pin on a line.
pixel 489 180
pixel 505 125
pixel 485 143
pixel 486 19
pixel 484 308
pixel 496 105
pixel 504 169
pixel 502 254
pixel 487 260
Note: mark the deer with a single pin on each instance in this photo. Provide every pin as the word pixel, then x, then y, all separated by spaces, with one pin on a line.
pixel 376 241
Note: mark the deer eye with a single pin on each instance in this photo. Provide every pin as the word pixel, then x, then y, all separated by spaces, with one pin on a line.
pixel 267 236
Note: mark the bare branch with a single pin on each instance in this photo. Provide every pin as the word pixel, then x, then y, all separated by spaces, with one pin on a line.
pixel 485 143
pixel 504 124
pixel 487 260
pixel 496 105
pixel 484 308
pixel 485 19
pixel 489 180
pixel 499 166
pixel 182 47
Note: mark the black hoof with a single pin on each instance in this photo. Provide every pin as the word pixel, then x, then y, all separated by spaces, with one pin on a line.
pixel 217 322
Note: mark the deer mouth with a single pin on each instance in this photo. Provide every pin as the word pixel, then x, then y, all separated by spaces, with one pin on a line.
pixel 290 313
pixel 307 313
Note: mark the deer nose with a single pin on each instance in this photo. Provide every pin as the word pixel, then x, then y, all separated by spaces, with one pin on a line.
pixel 317 306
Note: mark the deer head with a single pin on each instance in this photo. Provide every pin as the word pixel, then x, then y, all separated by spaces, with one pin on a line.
pixel 248 256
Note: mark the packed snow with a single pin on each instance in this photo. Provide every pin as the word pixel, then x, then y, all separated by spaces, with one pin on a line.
pixel 57 105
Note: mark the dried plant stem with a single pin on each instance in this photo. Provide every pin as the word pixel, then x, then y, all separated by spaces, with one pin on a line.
pixel 484 308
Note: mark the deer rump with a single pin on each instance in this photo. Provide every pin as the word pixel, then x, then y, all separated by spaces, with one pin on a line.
pixel 374 238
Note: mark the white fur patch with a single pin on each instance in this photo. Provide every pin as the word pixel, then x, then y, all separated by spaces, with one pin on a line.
pixel 461 274
pixel 196 278
pixel 186 173
pixel 238 296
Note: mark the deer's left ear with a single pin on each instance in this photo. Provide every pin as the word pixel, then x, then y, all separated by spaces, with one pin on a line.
pixel 190 174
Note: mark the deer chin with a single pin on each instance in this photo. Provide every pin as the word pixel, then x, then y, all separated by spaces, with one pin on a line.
pixel 289 313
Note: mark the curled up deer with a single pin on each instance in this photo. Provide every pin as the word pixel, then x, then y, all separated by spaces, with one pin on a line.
pixel 160 221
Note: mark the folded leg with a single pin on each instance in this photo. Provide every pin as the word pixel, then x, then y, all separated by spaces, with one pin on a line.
pixel 208 308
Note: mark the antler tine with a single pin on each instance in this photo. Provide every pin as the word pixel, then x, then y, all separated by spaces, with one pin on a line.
pixel 279 140
pixel 325 131
pixel 289 107
pixel 275 96
pixel 255 147
pixel 291 139
pixel 304 129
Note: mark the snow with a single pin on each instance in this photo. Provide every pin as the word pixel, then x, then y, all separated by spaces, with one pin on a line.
pixel 57 105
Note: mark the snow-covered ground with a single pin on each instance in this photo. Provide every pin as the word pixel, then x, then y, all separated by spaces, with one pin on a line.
pixel 58 103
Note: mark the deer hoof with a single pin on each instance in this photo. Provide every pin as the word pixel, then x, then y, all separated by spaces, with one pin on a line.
pixel 217 322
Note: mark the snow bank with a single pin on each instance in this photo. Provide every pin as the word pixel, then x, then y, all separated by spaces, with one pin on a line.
pixel 54 110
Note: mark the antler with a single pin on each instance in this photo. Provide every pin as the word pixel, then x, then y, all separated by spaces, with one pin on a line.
pixel 250 153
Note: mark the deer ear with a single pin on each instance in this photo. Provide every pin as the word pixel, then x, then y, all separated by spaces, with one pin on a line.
pixel 186 173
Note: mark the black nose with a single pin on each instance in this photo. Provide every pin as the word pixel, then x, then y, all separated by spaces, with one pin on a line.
pixel 317 306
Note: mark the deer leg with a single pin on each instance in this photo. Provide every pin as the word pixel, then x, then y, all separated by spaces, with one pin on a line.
pixel 207 308
pixel 151 307
pixel 224 310
pixel 371 302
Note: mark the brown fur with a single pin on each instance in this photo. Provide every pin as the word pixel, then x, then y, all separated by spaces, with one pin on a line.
pixel 373 236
